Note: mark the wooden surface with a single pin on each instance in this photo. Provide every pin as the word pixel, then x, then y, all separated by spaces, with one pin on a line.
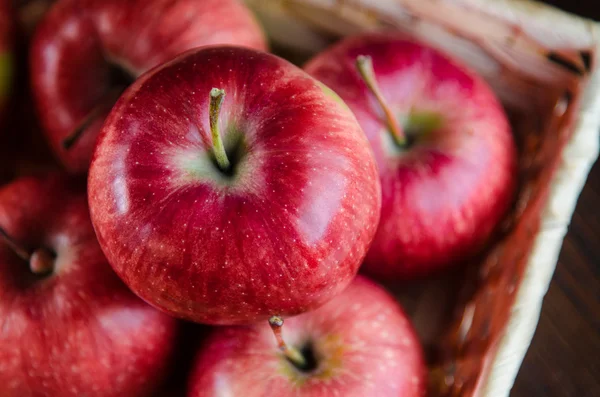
pixel 564 357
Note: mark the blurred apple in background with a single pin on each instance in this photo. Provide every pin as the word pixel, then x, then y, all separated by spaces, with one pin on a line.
pixel 23 150
pixel 29 14
pixel 6 56
pixel 228 186
pixel 443 145
pixel 85 52
pixel 359 344
pixel 69 325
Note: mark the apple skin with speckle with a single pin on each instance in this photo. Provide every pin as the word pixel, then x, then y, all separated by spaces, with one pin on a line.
pixel 80 44
pixel 282 233
pixel 444 193
pixel 76 331
pixel 362 343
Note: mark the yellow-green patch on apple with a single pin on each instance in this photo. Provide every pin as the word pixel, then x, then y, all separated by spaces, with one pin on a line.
pixel 332 94
pixel 422 123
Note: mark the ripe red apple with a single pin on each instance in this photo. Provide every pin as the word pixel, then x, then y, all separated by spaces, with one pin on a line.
pixel 443 145
pixel 85 52
pixel 6 57
pixel 358 344
pixel 267 208
pixel 69 327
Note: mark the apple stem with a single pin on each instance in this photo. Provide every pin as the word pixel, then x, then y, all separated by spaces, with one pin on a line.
pixel 14 246
pixel 364 64
pixel 290 353
pixel 109 98
pixel 216 100
pixel 41 261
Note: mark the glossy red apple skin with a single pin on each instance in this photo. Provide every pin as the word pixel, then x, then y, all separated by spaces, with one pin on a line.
pixel 6 55
pixel 282 236
pixel 363 343
pixel 78 331
pixel 73 45
pixel 443 196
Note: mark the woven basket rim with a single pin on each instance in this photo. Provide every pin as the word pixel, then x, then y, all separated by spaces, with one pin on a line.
pixel 565 189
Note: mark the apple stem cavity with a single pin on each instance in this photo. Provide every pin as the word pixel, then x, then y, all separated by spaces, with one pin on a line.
pixel 364 64
pixel 216 100
pixel 14 246
pixel 292 354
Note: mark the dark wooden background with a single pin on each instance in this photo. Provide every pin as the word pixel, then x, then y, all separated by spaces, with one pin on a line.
pixel 564 357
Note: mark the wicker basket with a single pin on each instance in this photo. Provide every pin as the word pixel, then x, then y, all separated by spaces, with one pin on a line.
pixel 477 323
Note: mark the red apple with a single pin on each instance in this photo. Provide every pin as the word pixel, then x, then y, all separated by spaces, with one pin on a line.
pixel 274 216
pixel 359 344
pixel 6 57
pixel 85 52
pixel 443 145
pixel 69 325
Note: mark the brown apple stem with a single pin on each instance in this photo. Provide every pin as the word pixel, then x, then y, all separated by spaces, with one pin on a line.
pixel 108 99
pixel 216 100
pixel 14 246
pixel 290 353
pixel 41 261
pixel 364 64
